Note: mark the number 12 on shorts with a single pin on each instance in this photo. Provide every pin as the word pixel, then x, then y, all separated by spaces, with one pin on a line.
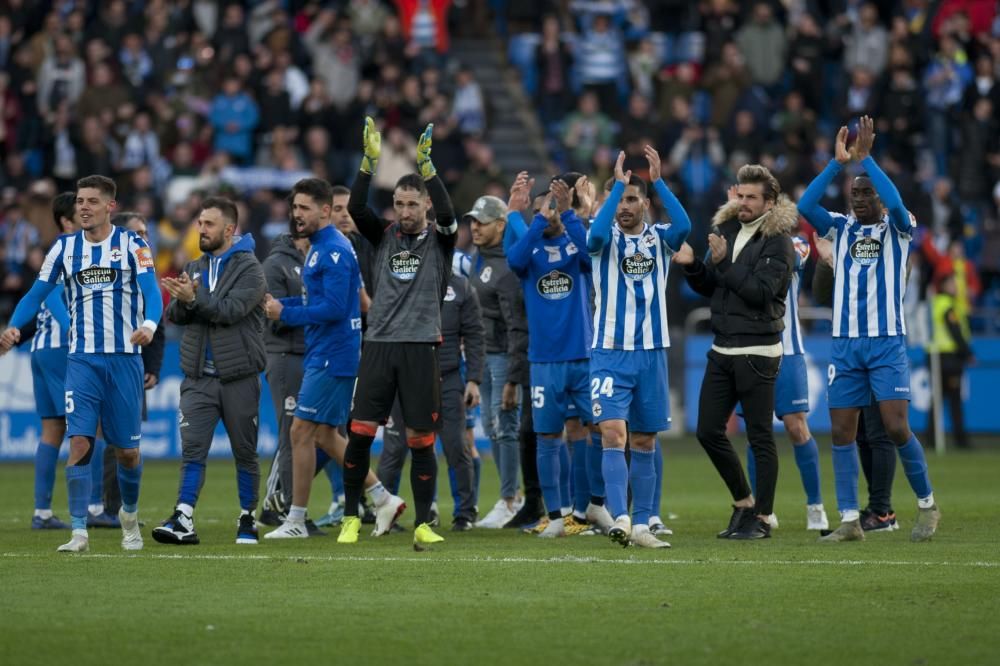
pixel 600 386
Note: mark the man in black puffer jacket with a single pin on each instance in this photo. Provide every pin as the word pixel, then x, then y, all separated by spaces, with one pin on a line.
pixel 218 299
pixel 746 276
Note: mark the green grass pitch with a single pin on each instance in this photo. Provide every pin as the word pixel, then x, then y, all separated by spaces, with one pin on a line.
pixel 502 597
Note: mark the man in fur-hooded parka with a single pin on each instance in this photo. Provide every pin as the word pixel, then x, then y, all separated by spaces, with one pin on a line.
pixel 748 292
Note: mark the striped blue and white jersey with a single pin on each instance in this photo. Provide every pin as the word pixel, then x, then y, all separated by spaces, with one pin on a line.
pixel 101 282
pixel 869 264
pixel 630 285
pixel 791 337
pixel 48 333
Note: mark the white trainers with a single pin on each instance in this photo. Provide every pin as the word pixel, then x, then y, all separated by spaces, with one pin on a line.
pixel 497 517
pixel 131 536
pixel 599 516
pixel 621 530
pixel 657 527
pixel 772 520
pixel 642 537
pixel 816 517
pixel 554 530
pixel 386 515
pixel 289 530
pixel 78 543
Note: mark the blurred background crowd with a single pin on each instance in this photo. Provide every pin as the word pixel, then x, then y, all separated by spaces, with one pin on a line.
pixel 183 98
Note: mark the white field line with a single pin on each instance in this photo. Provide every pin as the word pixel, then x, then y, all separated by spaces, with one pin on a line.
pixel 568 559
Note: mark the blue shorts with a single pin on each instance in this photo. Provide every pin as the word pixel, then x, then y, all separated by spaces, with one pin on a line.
pixel 105 389
pixel 861 367
pixel 48 374
pixel 325 399
pixel 559 391
pixel 471 414
pixel 631 386
pixel 791 388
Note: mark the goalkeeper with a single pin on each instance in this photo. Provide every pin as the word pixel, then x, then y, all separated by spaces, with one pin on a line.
pixel 400 354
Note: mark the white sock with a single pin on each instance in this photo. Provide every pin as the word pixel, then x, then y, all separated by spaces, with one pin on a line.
pixel 850 516
pixel 95 509
pixel 566 510
pixel 378 494
pixel 655 520
pixel 341 499
pixel 639 529
pixel 44 514
pixel 82 533
pixel 926 502
pixel 186 509
pixel 580 515
pixel 297 514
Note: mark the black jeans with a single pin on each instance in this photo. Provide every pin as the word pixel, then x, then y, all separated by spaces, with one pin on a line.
pixel 878 459
pixel 748 380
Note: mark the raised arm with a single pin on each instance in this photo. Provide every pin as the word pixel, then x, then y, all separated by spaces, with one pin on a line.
pixel 600 231
pixel 519 256
pixel 809 205
pixel 677 231
pixel 367 221
pixel 886 191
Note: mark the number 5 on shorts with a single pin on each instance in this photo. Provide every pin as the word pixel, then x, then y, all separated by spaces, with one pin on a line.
pixel 599 387
pixel 70 405
pixel 538 396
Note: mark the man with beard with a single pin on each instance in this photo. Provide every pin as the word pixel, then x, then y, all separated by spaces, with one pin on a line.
pixel 217 299
pixel 746 276
pixel 412 266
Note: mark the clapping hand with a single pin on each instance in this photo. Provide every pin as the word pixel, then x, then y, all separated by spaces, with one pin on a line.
pixel 718 246
pixel 520 192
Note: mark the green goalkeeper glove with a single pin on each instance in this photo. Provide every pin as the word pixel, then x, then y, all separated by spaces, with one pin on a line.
pixel 424 164
pixel 372 141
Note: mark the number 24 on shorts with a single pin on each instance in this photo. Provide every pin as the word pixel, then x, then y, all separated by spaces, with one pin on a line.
pixel 601 387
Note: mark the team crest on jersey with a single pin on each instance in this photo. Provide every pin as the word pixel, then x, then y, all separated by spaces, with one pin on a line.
pixel 404 265
pixel 554 286
pixel 449 295
pixel 115 254
pixel 486 274
pixel 866 251
pixel 572 249
pixel 313 259
pixel 97 277
pixel 637 266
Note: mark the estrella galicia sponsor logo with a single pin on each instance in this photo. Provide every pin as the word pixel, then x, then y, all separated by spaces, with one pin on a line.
pixel 555 286
pixel 866 251
pixel 637 266
pixel 97 277
pixel 404 265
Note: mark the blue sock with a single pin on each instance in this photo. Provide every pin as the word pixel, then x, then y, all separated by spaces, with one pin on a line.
pixel 642 475
pixel 548 472
pixel 477 470
pixel 658 488
pixel 595 461
pixel 78 488
pixel 192 478
pixel 97 472
pixel 565 476
pixel 911 455
pixel 581 485
pixel 615 473
pixel 845 475
pixel 751 470
pixel 128 484
pixel 46 457
pixel 807 458
pixel 246 488
pixel 454 491
pixel 336 475
pixel 322 458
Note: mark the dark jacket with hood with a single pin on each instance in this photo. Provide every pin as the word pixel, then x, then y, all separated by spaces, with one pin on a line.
pixel 283 272
pixel 226 323
pixel 504 314
pixel 462 329
pixel 748 295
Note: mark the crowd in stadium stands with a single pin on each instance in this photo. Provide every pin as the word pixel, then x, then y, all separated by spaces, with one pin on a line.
pixel 178 99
